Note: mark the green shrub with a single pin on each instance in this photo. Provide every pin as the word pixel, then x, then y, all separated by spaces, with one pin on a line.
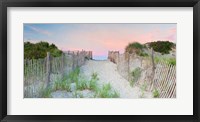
pixel 134 47
pixel 136 73
pixel 107 92
pixel 74 75
pixel 163 47
pixel 93 85
pixel 93 82
pixel 171 61
pixel 104 93
pixel 143 54
pixel 156 93
pixel 144 46
pixel 143 89
pixel 61 85
pixel 137 48
pixel 46 93
pixel 157 59
pixel 115 94
pixel 82 84
pixel 88 84
pixel 39 50
pixel 132 82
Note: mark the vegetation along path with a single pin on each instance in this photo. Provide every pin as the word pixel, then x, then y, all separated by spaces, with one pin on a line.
pixel 107 73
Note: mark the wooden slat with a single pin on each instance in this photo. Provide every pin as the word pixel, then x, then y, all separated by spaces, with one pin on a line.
pixel 160 73
pixel 172 80
pixel 170 83
pixel 165 79
pixel 169 73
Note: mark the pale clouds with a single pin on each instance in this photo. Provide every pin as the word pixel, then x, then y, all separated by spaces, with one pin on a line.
pixel 39 30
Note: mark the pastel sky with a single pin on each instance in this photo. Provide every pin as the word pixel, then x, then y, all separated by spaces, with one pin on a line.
pixel 99 38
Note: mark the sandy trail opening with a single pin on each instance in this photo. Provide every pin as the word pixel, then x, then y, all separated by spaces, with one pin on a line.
pixel 107 73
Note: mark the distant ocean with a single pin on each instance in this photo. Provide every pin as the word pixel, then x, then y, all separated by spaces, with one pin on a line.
pixel 100 57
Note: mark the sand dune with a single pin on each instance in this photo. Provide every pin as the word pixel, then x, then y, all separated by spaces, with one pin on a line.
pixel 107 73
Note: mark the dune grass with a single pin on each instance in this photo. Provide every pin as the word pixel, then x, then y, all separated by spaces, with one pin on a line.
pixel 170 61
pixel 156 93
pixel 46 93
pixel 81 83
pixel 135 74
pixel 107 92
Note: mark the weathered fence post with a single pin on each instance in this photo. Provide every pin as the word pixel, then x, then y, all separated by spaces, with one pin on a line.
pixel 90 52
pixel 48 68
pixel 78 56
pixel 117 57
pixel 63 64
pixel 153 69
pixel 73 65
pixel 128 63
pixel 152 57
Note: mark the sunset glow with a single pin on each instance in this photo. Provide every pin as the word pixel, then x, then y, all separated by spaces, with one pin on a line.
pixel 99 38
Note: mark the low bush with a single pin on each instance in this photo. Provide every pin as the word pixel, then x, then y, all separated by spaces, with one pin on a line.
pixel 134 47
pixel 107 92
pixel 171 61
pixel 143 54
pixel 74 75
pixel 156 93
pixel 61 85
pixel 91 84
pixel 46 93
pixel 82 84
pixel 143 88
pixel 163 47
pixel 40 49
pixel 136 73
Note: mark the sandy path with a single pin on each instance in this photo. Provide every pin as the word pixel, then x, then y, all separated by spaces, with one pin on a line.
pixel 107 73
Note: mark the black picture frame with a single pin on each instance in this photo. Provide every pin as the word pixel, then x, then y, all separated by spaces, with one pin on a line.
pixel 4 4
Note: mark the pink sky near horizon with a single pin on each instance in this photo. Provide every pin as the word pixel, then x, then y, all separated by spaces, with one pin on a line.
pixel 101 38
pixel 116 41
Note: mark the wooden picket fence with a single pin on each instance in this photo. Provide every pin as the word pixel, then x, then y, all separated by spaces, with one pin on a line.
pixel 39 69
pixel 165 80
pixel 38 73
pixel 34 70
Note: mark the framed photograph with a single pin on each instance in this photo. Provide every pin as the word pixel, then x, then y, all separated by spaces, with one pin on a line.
pixel 99 60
